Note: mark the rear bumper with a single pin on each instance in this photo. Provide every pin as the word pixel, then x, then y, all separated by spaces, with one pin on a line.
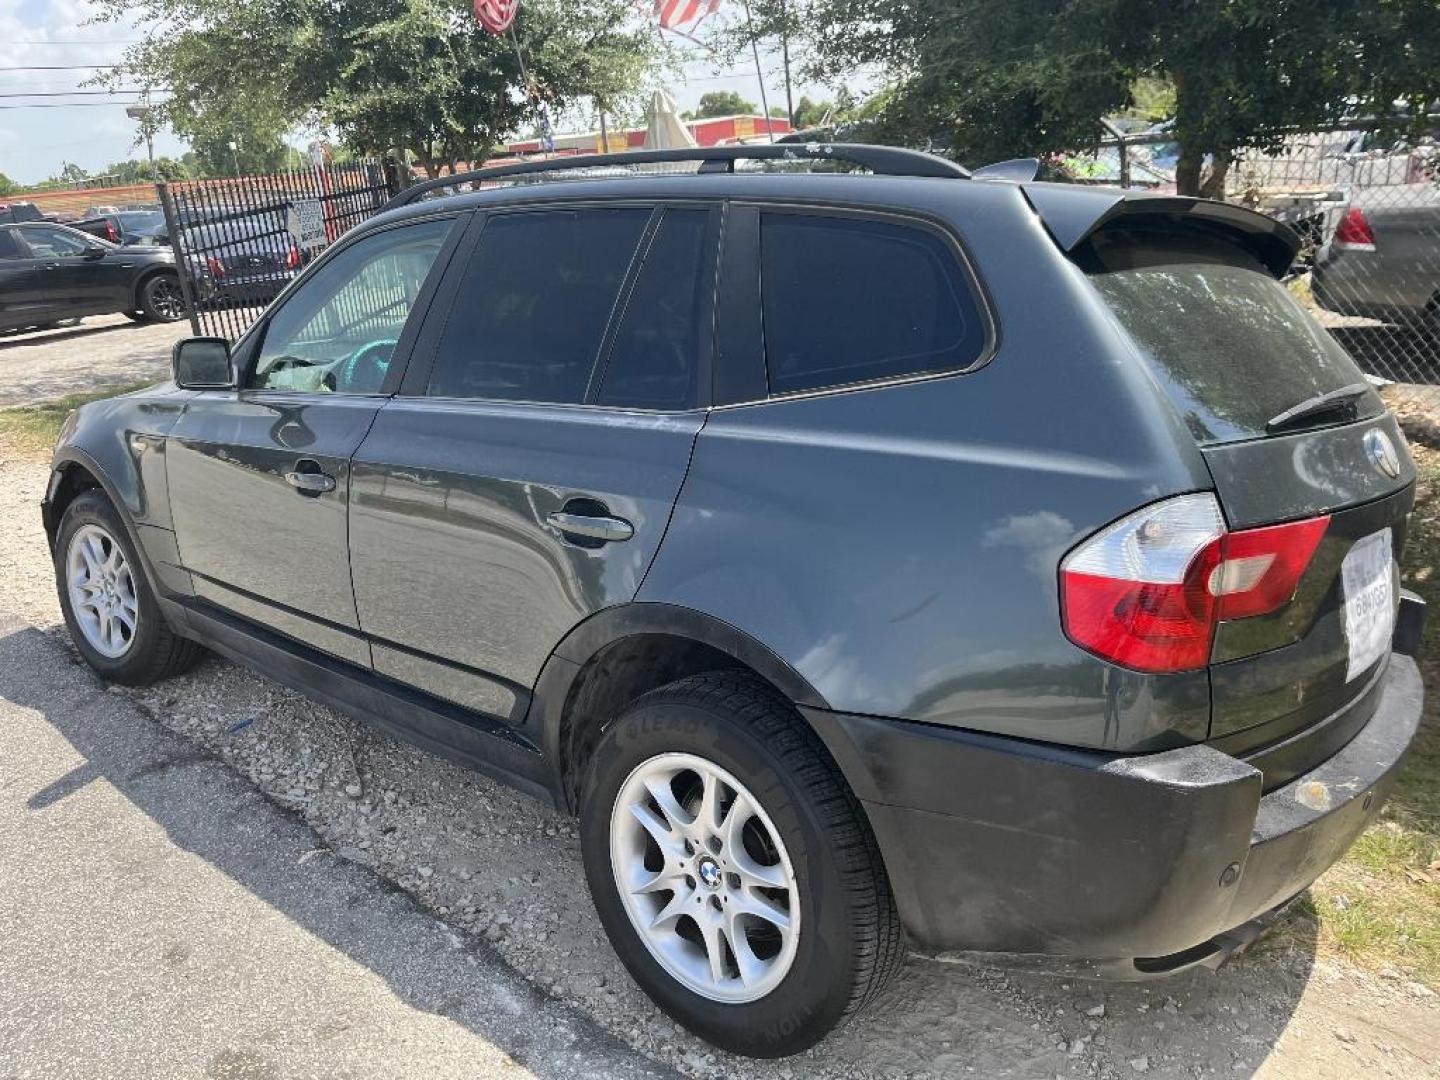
pixel 997 845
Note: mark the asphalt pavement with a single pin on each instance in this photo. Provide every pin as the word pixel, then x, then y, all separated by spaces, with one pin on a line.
pixel 159 917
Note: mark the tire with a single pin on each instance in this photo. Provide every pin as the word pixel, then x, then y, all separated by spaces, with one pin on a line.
pixel 161 299
pixel 136 316
pixel 150 651
pixel 844 941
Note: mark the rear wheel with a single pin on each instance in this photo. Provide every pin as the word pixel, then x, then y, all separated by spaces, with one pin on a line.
pixel 161 299
pixel 108 605
pixel 732 868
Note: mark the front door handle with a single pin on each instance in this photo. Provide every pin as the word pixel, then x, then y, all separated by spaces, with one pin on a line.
pixel 593 527
pixel 307 479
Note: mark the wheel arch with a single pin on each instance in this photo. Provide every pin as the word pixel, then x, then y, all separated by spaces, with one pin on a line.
pixel 73 473
pixel 620 653
pixel 145 277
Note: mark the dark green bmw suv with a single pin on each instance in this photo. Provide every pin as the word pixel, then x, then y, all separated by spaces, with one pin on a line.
pixel 875 557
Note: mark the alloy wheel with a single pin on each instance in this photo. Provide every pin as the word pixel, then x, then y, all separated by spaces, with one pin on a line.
pixel 166 299
pixel 101 586
pixel 703 874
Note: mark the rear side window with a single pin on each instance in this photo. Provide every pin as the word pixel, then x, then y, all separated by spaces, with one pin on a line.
pixel 655 359
pixel 1227 343
pixel 534 303
pixel 10 245
pixel 852 299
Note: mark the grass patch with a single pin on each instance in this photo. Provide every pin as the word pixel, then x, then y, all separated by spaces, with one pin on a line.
pixel 1379 907
pixel 33 429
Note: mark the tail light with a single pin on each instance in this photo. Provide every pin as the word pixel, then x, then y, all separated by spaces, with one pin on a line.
pixel 292 259
pixel 1354 232
pixel 1148 591
pixel 215 266
pixel 111 233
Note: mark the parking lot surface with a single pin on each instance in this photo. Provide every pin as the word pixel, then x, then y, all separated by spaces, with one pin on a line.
pixel 101 352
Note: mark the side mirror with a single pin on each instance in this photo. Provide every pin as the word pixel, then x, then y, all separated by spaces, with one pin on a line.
pixel 93 251
pixel 202 363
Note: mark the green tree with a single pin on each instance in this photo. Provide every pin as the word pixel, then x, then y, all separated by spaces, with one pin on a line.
pixel 420 75
pixel 138 172
pixel 7 186
pixel 722 103
pixel 994 79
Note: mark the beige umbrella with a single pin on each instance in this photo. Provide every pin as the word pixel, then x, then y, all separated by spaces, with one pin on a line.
pixel 666 131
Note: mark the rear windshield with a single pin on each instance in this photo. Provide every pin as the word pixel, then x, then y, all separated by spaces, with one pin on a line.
pixel 1228 344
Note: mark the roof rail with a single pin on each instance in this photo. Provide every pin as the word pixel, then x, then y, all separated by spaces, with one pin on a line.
pixel 885 160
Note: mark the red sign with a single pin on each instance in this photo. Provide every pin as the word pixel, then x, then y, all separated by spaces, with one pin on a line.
pixel 496 15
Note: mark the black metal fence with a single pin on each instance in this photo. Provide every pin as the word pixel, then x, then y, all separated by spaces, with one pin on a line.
pixel 239 241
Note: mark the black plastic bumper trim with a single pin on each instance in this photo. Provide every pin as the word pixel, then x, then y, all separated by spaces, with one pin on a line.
pixel 1001 846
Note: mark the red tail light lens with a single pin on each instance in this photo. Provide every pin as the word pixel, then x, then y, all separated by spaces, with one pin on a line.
pixel 292 259
pixel 215 266
pixel 1354 232
pixel 110 233
pixel 1148 591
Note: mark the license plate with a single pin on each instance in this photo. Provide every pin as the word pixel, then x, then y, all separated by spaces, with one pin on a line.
pixel 1368 574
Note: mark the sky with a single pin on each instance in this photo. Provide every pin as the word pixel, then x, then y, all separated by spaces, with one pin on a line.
pixel 35 142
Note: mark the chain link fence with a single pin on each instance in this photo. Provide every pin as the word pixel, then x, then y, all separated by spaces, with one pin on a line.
pixel 1369 213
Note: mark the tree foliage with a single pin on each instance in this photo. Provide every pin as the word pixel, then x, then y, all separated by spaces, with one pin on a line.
pixel 993 79
pixel 7 186
pixel 721 103
pixel 414 74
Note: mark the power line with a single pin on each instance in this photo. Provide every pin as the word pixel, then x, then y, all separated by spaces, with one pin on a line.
pixel 61 67
pixel 89 44
pixel 75 93
pixel 70 105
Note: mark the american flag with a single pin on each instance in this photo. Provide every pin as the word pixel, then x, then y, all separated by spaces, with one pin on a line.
pixel 677 13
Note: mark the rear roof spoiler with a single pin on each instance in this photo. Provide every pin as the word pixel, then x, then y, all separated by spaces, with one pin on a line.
pixel 1072 213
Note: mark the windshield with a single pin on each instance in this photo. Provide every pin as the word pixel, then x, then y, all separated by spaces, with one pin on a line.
pixel 1228 344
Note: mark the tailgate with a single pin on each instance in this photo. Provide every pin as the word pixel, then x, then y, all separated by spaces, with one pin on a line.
pixel 1274 674
pixel 1292 434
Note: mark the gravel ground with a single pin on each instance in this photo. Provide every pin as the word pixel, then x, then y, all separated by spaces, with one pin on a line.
pixel 498 866
pixel 103 351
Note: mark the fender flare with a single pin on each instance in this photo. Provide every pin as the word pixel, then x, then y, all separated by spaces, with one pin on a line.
pixel 584 642
pixel 73 456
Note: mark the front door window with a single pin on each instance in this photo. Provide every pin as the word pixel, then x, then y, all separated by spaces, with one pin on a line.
pixel 335 334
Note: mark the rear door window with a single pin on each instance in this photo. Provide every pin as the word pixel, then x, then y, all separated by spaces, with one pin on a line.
pixel 850 299
pixel 533 305
pixel 1227 343
pixel 664 337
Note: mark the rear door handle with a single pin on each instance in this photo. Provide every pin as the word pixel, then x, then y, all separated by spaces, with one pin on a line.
pixel 307 479
pixel 593 527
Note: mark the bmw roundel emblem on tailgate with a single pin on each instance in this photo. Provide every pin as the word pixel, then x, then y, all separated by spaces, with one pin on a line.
pixel 1382 452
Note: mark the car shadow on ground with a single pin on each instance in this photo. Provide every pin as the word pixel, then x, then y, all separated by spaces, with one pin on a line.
pixel 935 1019
pixel 15 340
pixel 345 905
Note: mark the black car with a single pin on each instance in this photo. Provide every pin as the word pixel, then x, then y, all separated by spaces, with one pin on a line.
pixel 50 273
pixel 875 564
pixel 243 260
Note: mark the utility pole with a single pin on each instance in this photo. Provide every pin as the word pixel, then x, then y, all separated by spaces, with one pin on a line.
pixel 785 57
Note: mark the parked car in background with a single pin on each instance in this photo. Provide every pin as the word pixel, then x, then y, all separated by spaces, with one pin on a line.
pixel 243 260
pixel 873 563
pixel 127 227
pixel 1383 261
pixel 50 273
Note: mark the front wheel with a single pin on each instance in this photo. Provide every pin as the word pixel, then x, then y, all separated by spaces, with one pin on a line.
pixel 161 299
pixel 732 868
pixel 109 608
